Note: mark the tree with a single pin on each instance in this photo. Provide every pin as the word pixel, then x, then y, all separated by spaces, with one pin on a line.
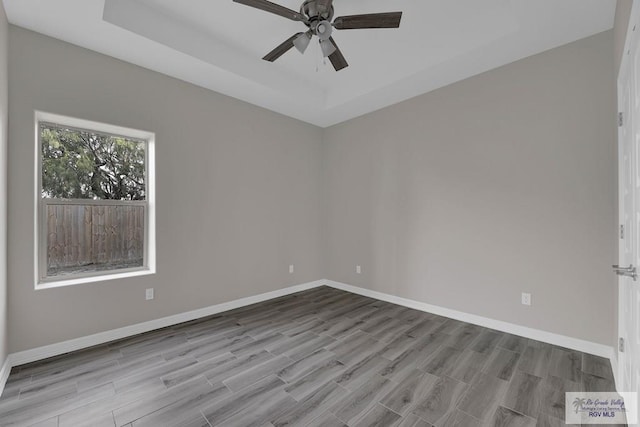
pixel 81 164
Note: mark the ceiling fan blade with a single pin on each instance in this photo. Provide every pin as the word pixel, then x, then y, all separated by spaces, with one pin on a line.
pixel 274 8
pixel 336 58
pixel 372 20
pixel 282 49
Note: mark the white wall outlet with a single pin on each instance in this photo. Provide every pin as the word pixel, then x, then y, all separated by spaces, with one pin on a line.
pixel 149 294
pixel 358 269
pixel 291 269
pixel 526 299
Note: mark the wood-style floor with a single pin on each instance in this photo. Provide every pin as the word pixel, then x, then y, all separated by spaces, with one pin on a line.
pixel 318 358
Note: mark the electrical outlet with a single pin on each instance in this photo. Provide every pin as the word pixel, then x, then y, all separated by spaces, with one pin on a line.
pixel 526 299
pixel 149 294
pixel 291 269
pixel 358 269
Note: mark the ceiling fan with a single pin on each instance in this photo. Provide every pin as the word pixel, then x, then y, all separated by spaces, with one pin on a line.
pixel 317 16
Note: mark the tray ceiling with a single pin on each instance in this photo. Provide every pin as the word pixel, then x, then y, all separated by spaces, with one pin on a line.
pixel 219 45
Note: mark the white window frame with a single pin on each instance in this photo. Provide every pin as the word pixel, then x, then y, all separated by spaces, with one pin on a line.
pixel 40 226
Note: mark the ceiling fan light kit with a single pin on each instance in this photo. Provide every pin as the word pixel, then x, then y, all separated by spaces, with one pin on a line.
pixel 302 41
pixel 317 16
pixel 327 47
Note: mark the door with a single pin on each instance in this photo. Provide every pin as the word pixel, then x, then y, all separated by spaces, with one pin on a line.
pixel 628 374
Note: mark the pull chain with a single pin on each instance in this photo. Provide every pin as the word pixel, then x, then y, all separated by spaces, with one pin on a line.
pixel 319 59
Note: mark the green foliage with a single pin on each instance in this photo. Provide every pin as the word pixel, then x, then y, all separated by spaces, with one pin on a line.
pixel 79 164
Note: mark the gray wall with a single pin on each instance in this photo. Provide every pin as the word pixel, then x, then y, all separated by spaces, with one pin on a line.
pixel 500 184
pixel 4 111
pixel 237 192
pixel 463 198
pixel 621 23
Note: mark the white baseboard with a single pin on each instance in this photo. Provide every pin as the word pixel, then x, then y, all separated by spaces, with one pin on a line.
pixel 4 373
pixel 47 351
pixel 614 367
pixel 511 328
pixel 40 353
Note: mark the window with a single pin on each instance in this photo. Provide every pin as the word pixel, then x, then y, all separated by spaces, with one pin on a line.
pixel 95 202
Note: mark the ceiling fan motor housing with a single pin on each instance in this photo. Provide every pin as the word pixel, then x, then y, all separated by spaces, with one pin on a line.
pixel 316 12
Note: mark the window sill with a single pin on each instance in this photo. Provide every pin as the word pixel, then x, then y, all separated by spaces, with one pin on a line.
pixel 53 283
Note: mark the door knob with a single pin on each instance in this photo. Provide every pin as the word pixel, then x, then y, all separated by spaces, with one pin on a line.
pixel 626 271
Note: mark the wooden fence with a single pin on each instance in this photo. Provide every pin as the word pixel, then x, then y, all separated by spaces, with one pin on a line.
pixel 93 237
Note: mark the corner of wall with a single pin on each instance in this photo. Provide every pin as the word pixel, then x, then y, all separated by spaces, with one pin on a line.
pixel 4 120
pixel 621 22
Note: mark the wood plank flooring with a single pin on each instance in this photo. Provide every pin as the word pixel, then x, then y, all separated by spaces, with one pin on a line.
pixel 323 357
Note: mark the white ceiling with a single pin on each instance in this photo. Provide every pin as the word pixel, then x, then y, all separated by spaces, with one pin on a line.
pixel 218 44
